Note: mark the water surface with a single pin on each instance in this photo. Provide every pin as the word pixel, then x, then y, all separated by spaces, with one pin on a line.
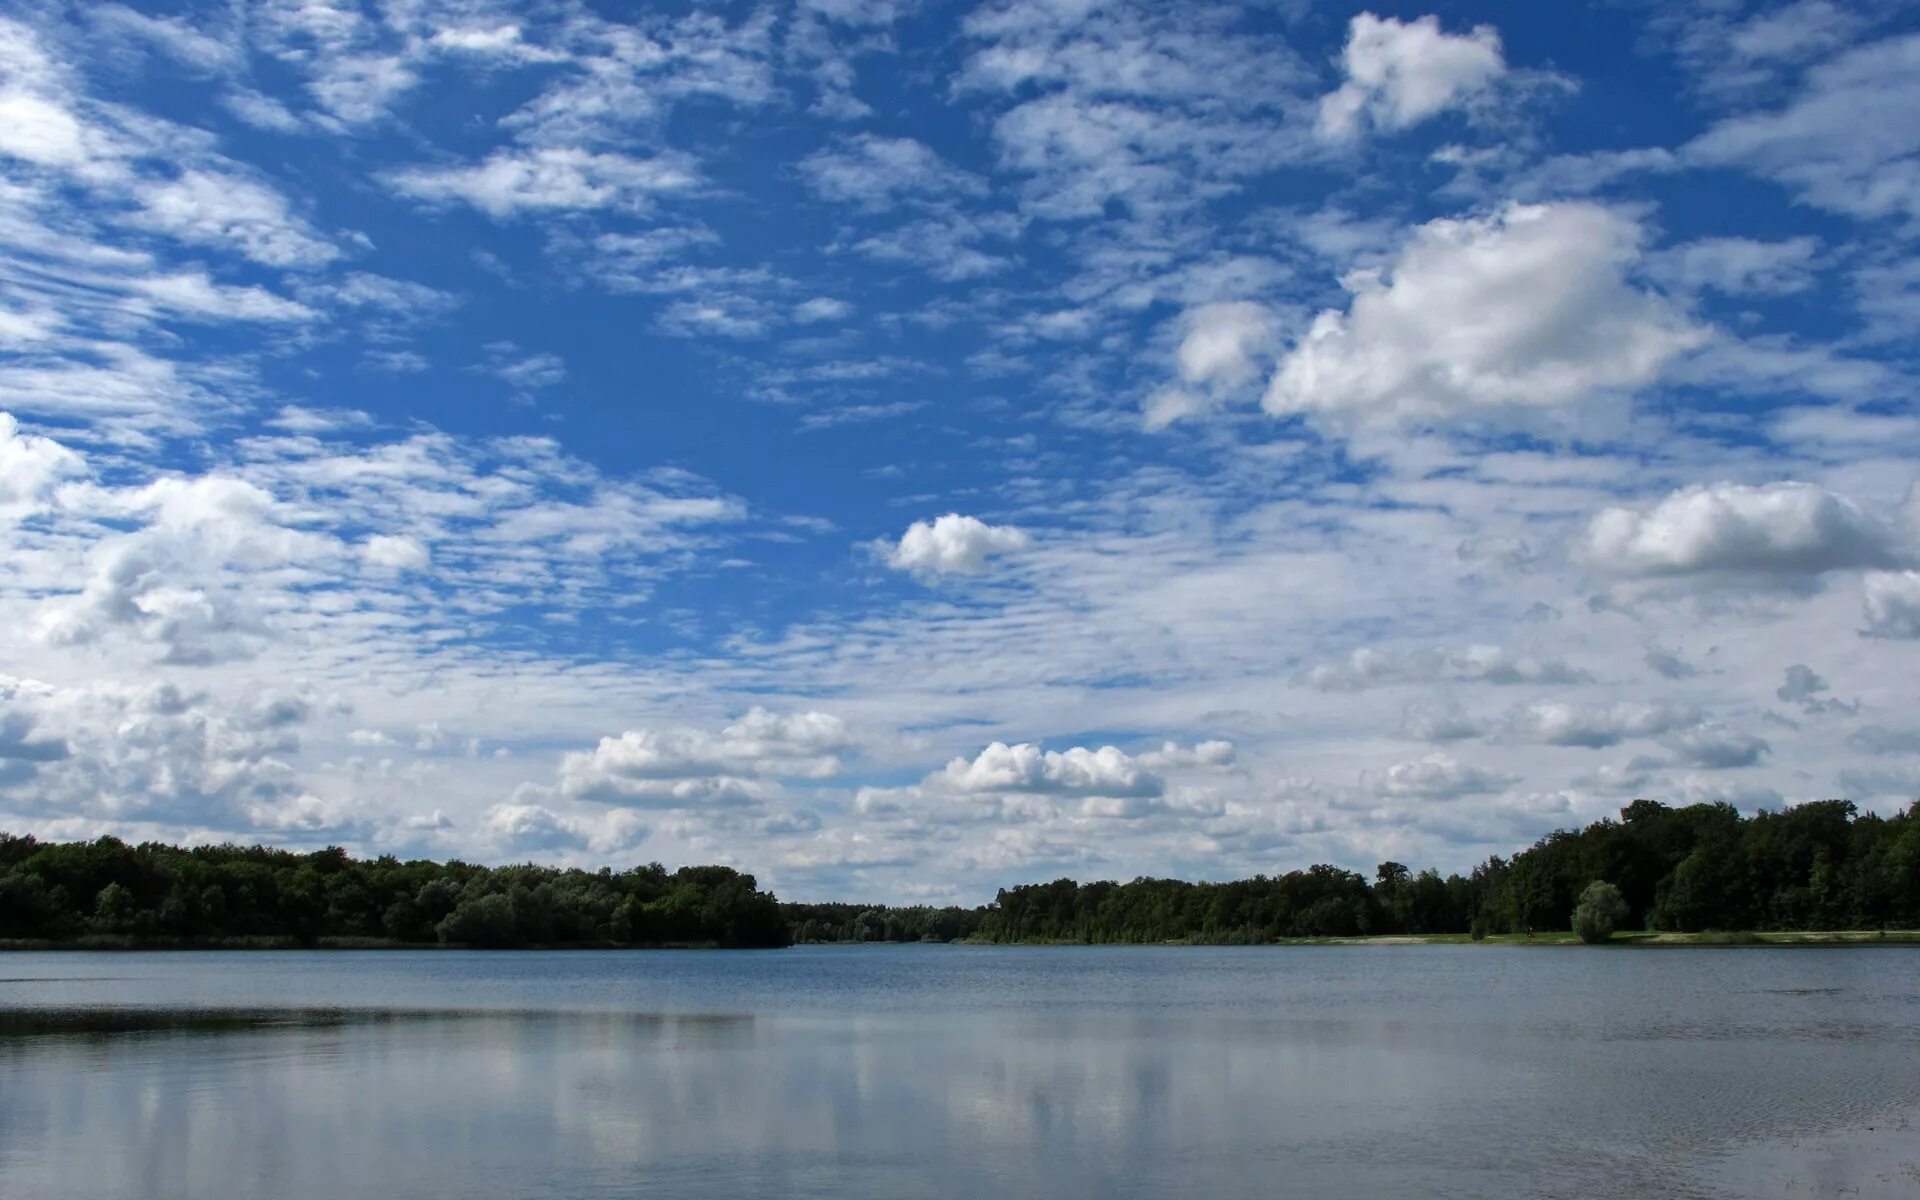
pixel 881 1072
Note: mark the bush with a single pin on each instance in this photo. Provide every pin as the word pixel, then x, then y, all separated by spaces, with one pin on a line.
pixel 1600 909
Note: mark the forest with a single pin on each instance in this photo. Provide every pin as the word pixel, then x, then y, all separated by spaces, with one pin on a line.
pixel 159 894
pixel 1817 866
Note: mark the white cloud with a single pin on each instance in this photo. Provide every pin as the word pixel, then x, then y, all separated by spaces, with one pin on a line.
pixel 1892 600
pixel 189 581
pixel 1368 667
pixel 682 767
pixel 876 173
pixel 158 753
pixel 210 208
pixel 1223 347
pixel 954 544
pixel 1526 309
pixel 1402 73
pixel 31 467
pixel 1560 723
pixel 821 308
pixel 546 179
pixel 1026 768
pixel 1442 721
pixel 1847 141
pixel 1780 532
pixel 1022 783
pixel 1738 266
pixel 397 552
pixel 1441 777
pixel 192 294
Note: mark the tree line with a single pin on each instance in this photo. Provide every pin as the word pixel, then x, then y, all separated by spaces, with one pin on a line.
pixel 154 893
pixel 1823 865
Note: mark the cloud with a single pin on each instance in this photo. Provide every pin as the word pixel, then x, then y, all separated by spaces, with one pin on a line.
pixel 1738 266
pixel 1715 747
pixel 877 173
pixel 1223 346
pixel 526 373
pixel 1402 73
pixel 1528 309
pixel 210 208
pixel 953 544
pixel 1879 739
pixel 534 829
pixel 184 581
pixel 155 753
pixel 1443 721
pixel 1594 726
pixel 821 308
pixel 1441 777
pixel 1892 601
pixel 547 179
pixel 31 467
pixel 1776 533
pixel 1025 783
pixel 682 767
pixel 1803 686
pixel 397 553
pixel 1370 668
pixel 1846 143
pixel 1027 768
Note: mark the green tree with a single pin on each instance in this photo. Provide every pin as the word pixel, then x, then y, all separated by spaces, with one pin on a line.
pixel 1599 911
pixel 484 922
pixel 114 907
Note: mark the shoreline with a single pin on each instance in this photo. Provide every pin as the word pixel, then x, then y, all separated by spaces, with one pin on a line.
pixel 116 943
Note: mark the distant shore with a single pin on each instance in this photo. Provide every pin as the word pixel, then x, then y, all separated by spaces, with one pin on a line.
pixel 1656 939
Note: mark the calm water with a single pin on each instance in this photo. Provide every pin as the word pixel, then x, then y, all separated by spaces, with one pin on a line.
pixel 883 1072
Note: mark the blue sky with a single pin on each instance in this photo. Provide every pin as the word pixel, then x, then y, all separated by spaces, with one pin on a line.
pixel 903 449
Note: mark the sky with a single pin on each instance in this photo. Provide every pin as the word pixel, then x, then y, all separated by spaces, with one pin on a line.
pixel 907 449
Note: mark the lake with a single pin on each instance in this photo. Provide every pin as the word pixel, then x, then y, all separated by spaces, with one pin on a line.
pixel 935 1071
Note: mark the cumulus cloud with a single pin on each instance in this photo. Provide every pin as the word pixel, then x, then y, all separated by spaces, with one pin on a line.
pixel 534 829
pixel 1782 533
pixel 953 545
pixel 1595 726
pixel 1402 73
pixel 1025 767
pixel 1892 602
pixel 1223 346
pixel 1369 668
pixel 1442 777
pixel 682 767
pixel 187 580
pixel 1715 747
pixel 1025 783
pixel 31 467
pixel 1527 309
pixel 157 753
